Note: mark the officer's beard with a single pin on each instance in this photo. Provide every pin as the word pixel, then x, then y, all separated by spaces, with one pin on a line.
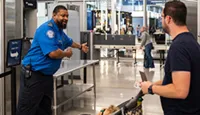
pixel 61 25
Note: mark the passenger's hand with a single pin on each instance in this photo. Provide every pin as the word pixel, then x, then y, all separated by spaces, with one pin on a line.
pixel 144 86
pixel 69 52
pixel 84 48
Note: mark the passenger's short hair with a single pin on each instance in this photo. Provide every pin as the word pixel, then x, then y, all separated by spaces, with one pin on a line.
pixel 58 8
pixel 177 10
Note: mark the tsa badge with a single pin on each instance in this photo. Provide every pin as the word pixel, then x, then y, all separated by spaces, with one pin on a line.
pixel 50 34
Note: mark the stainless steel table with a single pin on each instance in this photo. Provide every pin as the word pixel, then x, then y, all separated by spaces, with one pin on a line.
pixel 68 66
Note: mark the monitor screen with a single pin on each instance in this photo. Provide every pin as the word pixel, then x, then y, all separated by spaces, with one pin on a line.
pixel 14 49
pixel 26 44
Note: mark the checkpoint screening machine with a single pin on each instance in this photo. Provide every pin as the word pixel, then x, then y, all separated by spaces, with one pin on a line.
pixel 117 42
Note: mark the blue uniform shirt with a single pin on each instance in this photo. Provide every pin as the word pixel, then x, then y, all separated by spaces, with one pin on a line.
pixel 48 38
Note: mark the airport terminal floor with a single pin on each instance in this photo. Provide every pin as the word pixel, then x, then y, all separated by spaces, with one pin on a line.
pixel 115 85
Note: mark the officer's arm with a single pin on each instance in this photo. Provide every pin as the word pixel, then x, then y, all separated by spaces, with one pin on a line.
pixel 82 47
pixel 76 45
pixel 71 43
pixel 59 54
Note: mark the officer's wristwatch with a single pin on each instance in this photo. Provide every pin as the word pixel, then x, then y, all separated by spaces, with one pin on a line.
pixel 150 91
pixel 80 47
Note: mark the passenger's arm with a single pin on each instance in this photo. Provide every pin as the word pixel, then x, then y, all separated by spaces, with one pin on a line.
pixel 179 89
pixel 180 68
pixel 158 82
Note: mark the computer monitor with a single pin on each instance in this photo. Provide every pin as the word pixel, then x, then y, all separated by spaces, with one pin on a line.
pixel 143 76
pixel 14 50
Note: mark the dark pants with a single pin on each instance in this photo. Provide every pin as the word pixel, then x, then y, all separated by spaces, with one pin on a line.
pixel 35 95
pixel 138 34
pixel 148 60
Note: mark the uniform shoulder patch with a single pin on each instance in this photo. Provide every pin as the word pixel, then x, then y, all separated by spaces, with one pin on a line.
pixel 50 24
pixel 50 33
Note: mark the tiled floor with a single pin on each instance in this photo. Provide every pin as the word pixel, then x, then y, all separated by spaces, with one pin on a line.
pixel 115 84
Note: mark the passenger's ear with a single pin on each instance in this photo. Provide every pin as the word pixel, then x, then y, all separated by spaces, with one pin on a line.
pixel 169 19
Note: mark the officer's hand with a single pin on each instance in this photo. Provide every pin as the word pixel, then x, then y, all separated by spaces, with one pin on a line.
pixel 69 52
pixel 84 47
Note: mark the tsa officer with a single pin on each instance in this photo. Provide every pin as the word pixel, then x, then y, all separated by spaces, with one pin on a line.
pixel 49 46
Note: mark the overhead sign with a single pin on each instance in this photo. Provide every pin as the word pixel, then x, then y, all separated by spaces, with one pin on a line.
pixel 135 2
pixel 14 50
pixel 31 4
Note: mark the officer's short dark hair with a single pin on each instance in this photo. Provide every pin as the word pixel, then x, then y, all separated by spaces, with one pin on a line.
pixel 177 10
pixel 58 8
